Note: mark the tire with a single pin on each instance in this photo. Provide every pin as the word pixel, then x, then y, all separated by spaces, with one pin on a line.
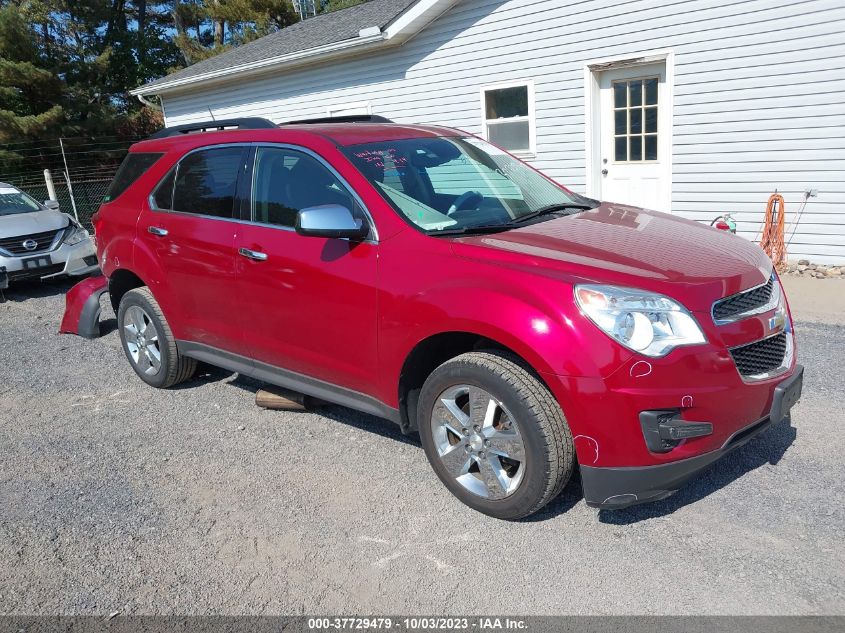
pixel 153 356
pixel 522 454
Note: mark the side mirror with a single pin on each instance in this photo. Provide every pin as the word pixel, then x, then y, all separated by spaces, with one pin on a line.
pixel 52 204
pixel 330 220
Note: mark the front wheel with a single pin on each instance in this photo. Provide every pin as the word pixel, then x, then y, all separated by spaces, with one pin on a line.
pixel 148 342
pixel 495 435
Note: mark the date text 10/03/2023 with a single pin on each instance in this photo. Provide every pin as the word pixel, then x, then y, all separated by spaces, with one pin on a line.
pixel 416 623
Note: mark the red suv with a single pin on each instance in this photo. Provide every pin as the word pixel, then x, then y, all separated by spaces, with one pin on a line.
pixel 421 274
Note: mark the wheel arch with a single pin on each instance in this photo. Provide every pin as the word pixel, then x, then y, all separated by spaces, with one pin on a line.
pixel 121 281
pixel 434 350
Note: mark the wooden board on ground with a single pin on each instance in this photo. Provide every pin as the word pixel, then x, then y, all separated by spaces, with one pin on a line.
pixel 271 397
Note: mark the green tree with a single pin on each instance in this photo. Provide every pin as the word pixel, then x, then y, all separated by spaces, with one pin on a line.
pixel 29 92
pixel 204 29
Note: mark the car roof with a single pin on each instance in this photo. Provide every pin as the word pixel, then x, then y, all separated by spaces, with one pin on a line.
pixel 8 186
pixel 343 134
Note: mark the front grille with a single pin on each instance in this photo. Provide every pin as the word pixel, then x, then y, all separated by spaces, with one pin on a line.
pixel 743 302
pixel 15 245
pixel 762 356
pixel 34 273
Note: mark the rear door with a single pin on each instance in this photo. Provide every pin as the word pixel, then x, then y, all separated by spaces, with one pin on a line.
pixel 190 228
pixel 306 304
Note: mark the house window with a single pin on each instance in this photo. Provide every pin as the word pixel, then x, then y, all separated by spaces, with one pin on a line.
pixel 508 112
pixel 635 120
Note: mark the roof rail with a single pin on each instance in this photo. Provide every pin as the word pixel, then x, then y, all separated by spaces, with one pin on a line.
pixel 248 123
pixel 348 118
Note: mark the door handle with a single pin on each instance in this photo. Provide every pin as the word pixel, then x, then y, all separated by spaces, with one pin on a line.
pixel 157 231
pixel 256 255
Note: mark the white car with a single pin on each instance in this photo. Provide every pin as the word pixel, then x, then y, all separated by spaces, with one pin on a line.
pixel 39 241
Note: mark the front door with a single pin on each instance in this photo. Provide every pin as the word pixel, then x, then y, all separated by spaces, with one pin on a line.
pixel 634 136
pixel 307 305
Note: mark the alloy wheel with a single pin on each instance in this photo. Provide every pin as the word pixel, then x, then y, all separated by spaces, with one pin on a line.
pixel 478 441
pixel 142 340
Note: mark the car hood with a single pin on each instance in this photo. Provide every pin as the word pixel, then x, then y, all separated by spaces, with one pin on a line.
pixel 33 222
pixel 625 245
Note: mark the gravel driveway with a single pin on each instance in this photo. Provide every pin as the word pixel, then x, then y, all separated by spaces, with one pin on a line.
pixel 118 497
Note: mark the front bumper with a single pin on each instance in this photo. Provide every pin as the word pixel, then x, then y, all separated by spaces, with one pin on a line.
pixel 79 259
pixel 620 487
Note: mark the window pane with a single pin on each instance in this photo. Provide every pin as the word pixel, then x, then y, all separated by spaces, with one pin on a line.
pixel 163 196
pixel 636 93
pixel 636 121
pixel 636 148
pixel 651 119
pixel 270 191
pixel 621 152
pixel 620 97
pixel 506 102
pixel 510 136
pixel 287 181
pixel 132 168
pixel 621 123
pixel 205 182
pixel 651 148
pixel 651 91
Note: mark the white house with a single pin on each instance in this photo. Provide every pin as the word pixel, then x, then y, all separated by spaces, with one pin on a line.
pixel 698 107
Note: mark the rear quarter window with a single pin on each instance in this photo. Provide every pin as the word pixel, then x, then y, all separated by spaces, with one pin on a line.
pixel 133 167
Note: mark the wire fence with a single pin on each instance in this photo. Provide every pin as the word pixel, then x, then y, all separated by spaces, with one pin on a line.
pixel 81 168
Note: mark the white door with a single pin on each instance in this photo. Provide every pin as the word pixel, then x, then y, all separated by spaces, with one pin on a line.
pixel 635 136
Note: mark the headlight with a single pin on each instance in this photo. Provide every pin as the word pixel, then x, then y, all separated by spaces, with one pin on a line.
pixel 75 235
pixel 645 322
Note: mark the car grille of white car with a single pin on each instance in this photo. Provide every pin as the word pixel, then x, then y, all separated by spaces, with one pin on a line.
pixel 22 245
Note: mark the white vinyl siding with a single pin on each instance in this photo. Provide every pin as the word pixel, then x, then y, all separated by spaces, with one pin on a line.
pixel 759 94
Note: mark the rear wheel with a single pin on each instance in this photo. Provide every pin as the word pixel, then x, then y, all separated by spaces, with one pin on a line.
pixel 495 435
pixel 148 342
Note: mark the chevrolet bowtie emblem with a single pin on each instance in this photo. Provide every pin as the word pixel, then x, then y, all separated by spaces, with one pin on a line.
pixel 778 321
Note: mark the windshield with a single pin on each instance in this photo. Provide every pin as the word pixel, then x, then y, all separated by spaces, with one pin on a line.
pixel 449 183
pixel 13 202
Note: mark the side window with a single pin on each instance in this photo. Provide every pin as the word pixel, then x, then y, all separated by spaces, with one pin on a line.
pixel 287 181
pixel 206 180
pixel 163 195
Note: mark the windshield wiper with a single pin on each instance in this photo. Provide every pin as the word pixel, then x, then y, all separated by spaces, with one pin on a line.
pixel 498 228
pixel 548 210
pixel 471 230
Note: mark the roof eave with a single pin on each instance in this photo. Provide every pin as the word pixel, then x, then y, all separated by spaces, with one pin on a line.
pixel 299 58
pixel 402 28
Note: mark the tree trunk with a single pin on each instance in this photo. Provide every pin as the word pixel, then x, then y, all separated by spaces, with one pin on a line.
pixel 219 31
pixel 142 19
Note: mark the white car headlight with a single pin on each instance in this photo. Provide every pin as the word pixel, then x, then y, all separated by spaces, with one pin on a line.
pixel 75 235
pixel 642 321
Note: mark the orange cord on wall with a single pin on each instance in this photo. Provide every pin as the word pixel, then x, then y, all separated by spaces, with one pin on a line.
pixel 772 240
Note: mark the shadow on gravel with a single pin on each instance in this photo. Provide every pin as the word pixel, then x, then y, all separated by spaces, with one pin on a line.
pixel 107 326
pixel 20 291
pixel 368 423
pixel 209 373
pixel 356 419
pixel 571 496
pixel 768 448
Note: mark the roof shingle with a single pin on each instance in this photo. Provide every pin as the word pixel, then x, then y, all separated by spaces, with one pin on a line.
pixel 328 28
